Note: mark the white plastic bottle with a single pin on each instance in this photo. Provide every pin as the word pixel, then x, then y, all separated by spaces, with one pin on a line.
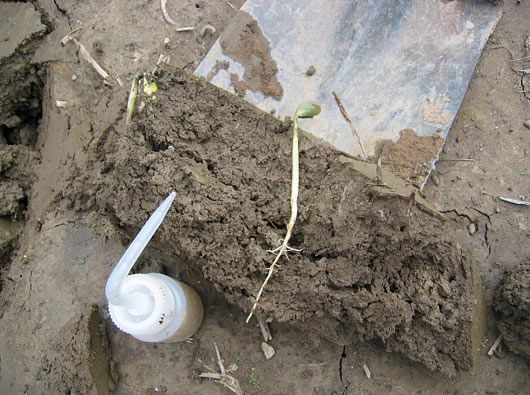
pixel 152 307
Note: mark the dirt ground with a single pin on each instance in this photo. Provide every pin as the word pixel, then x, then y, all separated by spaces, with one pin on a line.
pixel 59 263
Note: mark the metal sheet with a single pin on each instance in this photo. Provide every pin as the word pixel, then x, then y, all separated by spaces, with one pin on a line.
pixel 394 64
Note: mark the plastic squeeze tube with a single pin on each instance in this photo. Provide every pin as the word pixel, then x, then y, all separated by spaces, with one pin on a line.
pixel 152 307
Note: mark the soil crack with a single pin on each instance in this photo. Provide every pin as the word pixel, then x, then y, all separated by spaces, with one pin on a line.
pixel 342 357
pixel 63 12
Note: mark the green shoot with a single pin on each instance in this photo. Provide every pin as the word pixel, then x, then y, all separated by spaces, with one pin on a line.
pixel 254 380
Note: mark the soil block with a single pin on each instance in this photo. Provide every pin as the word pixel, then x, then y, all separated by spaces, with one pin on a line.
pixel 512 305
pixel 78 360
pixel 375 263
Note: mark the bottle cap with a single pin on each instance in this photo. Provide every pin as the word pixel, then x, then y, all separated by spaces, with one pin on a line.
pixel 148 308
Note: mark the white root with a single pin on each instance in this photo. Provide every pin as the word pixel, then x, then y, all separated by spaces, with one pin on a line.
pixel 295 178
pixel 305 110
pixel 167 18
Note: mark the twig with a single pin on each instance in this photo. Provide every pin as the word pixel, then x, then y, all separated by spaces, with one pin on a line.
pixel 508 200
pixel 163 5
pixel 265 332
pixel 305 110
pixel 223 378
pixel 367 370
pixel 457 160
pixel 519 59
pixel 86 56
pixel 231 5
pixel 348 119
pixel 219 360
pixel 495 345
pixel 207 29
pixel 184 29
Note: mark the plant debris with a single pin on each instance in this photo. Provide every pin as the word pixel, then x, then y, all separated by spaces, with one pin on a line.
pixel 224 378
pixel 264 327
pixel 367 370
pixel 350 123
pixel 208 29
pixel 185 29
pixel 167 18
pixel 83 53
pixel 495 345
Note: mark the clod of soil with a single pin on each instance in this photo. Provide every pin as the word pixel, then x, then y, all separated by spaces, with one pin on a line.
pixel 373 265
pixel 410 156
pixel 19 81
pixel 16 173
pixel 20 91
pixel 512 305
pixel 78 361
pixel 243 41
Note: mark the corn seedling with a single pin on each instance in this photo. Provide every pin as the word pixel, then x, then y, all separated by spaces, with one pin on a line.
pixel 304 110
pixel 133 95
pixel 149 88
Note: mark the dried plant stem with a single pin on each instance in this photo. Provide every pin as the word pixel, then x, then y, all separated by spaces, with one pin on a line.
pixel 494 346
pixel 163 5
pixel 295 179
pixel 223 378
pixel 86 55
pixel 350 123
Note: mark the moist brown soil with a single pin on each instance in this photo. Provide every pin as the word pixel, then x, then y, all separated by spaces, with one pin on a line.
pixel 406 156
pixel 244 42
pixel 20 110
pixel 59 266
pixel 512 306
pixel 78 360
pixel 371 266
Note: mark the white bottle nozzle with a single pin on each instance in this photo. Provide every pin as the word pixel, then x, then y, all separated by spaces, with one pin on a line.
pixel 152 307
pixel 114 287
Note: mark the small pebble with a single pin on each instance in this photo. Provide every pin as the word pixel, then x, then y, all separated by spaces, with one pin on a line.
pixel 310 71
pixel 74 77
pixel 268 350
pixel 472 228
pixel 166 42
pixel 527 123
